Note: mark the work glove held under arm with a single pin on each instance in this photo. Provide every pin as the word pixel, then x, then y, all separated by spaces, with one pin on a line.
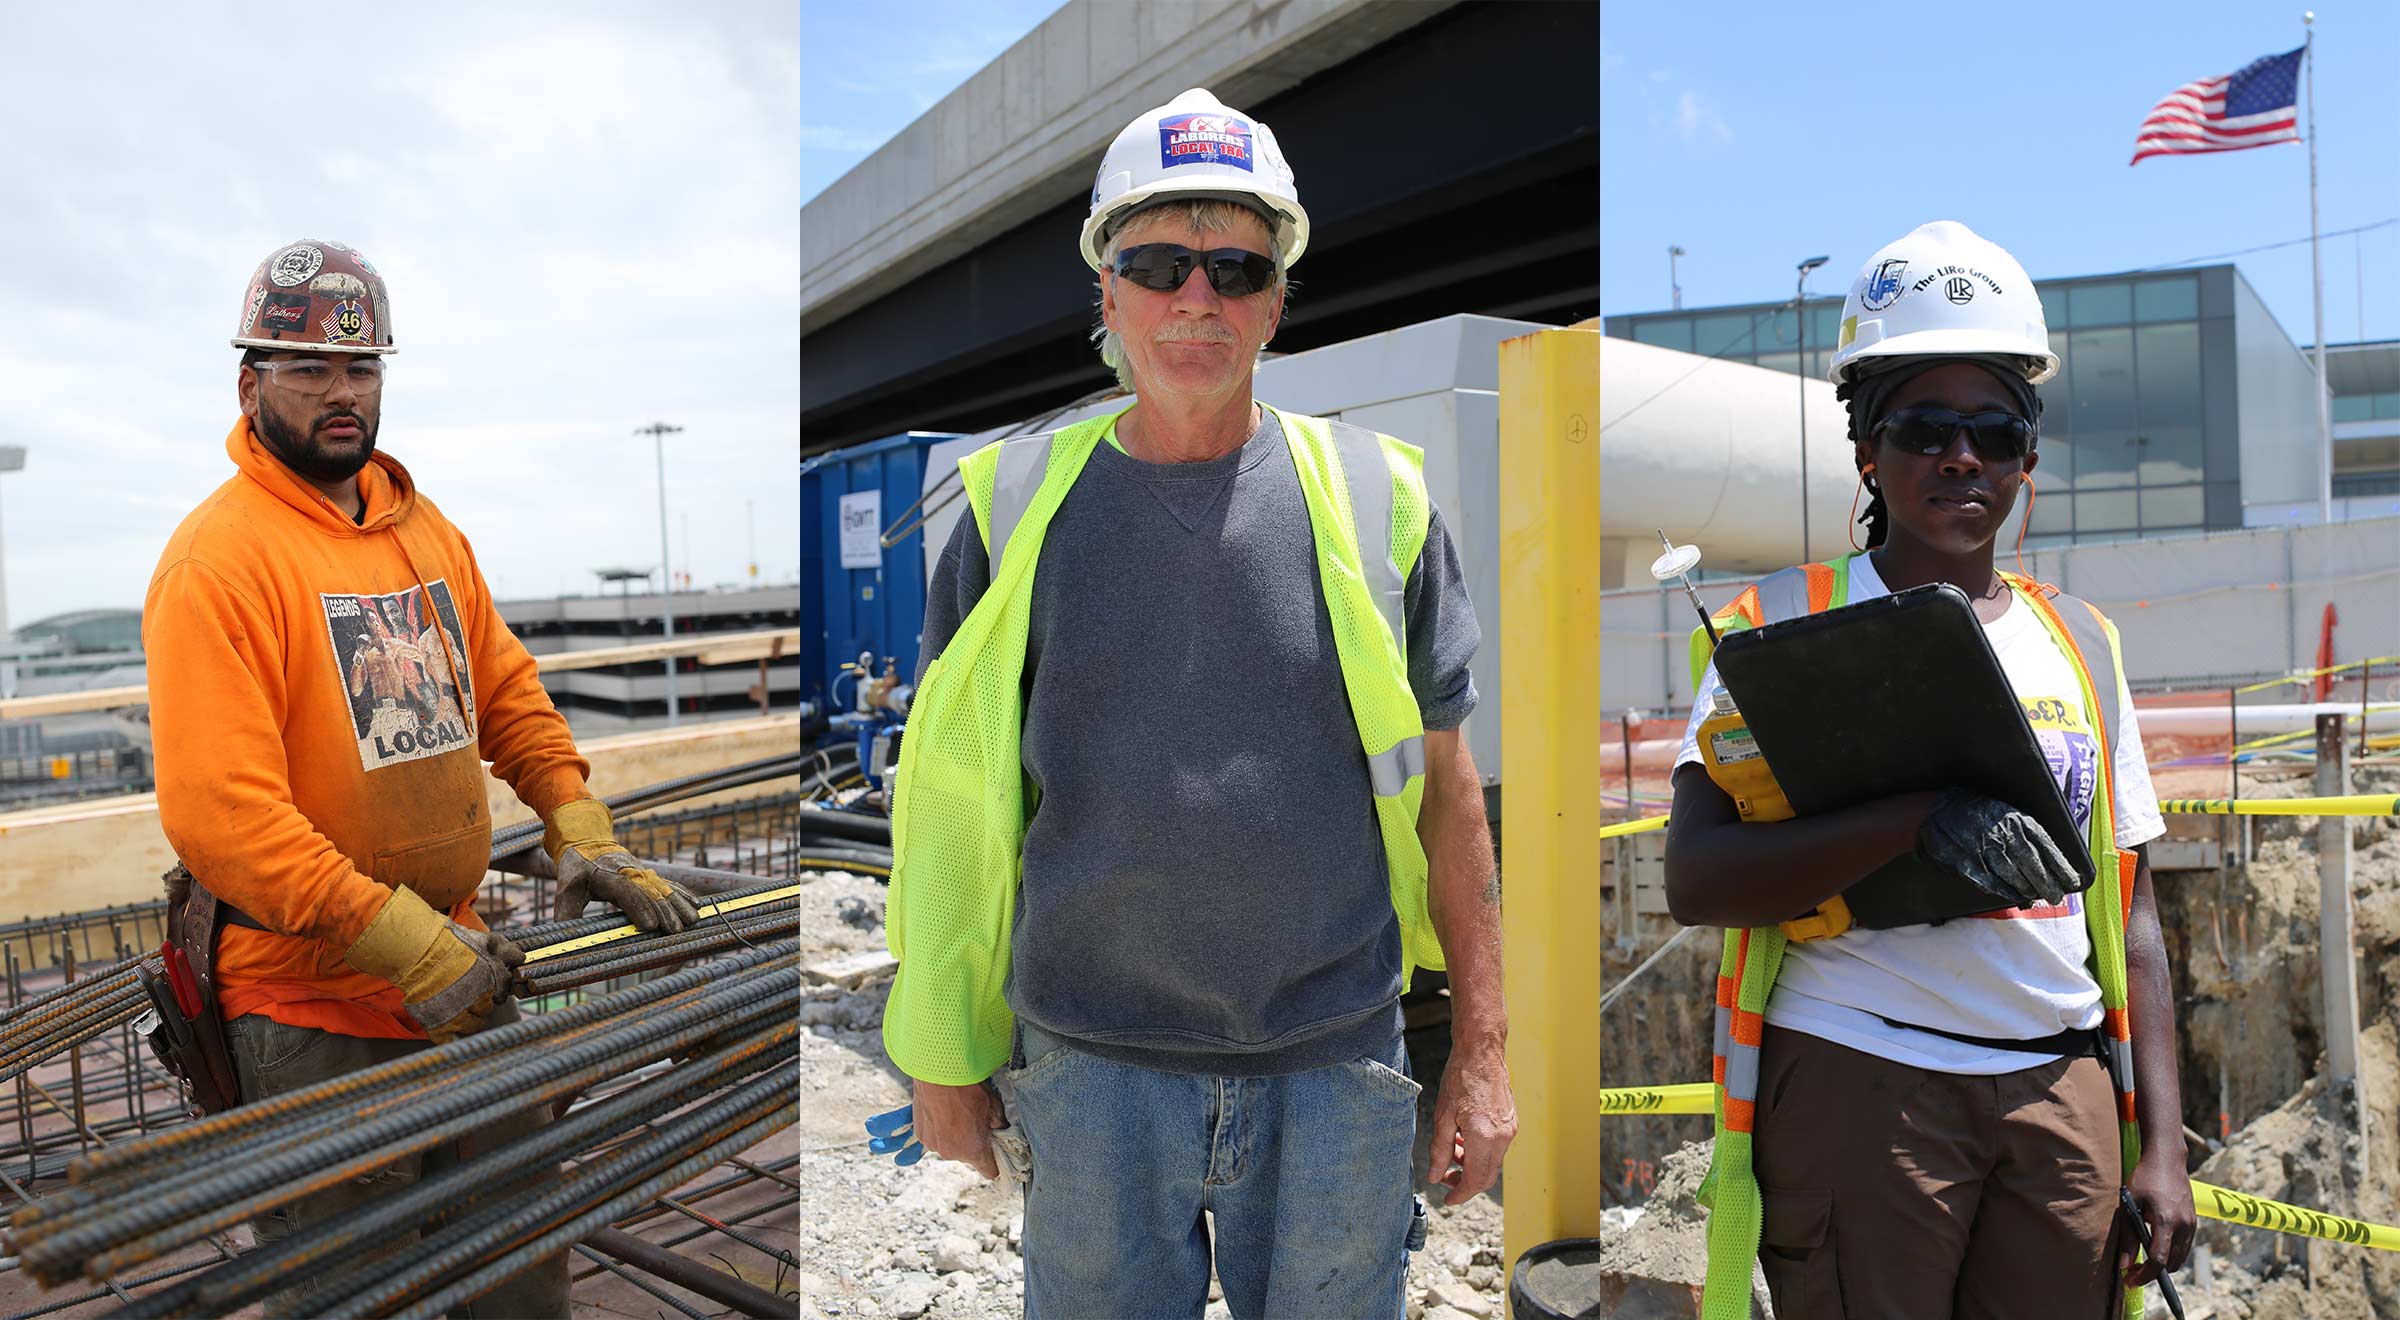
pixel 581 840
pixel 450 977
pixel 1997 847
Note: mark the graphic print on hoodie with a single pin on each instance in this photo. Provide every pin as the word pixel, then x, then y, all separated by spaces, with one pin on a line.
pixel 402 673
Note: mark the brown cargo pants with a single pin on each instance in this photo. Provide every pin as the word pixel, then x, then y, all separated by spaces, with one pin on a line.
pixel 270 1058
pixel 1893 1191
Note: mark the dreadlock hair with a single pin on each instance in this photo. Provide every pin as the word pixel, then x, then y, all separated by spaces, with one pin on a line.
pixel 1877 519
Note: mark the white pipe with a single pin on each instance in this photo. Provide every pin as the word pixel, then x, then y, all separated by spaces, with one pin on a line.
pixel 1709 450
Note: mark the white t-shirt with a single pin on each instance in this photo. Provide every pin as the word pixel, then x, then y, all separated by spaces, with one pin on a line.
pixel 2017 974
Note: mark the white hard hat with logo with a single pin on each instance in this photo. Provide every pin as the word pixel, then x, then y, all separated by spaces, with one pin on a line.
pixel 1195 147
pixel 1942 291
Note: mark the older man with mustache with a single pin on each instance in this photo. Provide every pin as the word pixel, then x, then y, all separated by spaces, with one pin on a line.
pixel 1183 799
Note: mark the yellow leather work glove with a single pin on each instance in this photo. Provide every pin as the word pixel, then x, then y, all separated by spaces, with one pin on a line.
pixel 581 839
pixel 449 976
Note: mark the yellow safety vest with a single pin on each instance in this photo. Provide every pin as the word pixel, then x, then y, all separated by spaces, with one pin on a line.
pixel 960 801
pixel 1752 958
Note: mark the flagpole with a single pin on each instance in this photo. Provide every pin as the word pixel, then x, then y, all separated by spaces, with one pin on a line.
pixel 2316 267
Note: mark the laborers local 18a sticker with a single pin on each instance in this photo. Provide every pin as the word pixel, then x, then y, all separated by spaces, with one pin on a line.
pixel 1202 139
pixel 404 672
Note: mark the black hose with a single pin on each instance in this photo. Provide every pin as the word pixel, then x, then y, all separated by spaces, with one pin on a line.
pixel 812 851
pixel 845 824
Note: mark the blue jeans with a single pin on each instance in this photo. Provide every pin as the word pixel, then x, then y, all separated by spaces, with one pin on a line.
pixel 1308 1177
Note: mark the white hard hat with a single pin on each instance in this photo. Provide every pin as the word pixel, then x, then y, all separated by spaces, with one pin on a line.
pixel 1943 290
pixel 1194 146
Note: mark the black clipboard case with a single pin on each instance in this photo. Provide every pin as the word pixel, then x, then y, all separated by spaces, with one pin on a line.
pixel 1897 694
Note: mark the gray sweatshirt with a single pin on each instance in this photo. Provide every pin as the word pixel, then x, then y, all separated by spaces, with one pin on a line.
pixel 1204 887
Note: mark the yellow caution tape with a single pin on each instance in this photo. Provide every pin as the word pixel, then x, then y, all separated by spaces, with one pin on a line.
pixel 1643 826
pixel 2357 804
pixel 1682 1098
pixel 2319 673
pixel 628 932
pixel 2213 1202
pixel 2233 1207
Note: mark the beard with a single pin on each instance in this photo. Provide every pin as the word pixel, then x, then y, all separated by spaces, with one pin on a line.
pixel 301 452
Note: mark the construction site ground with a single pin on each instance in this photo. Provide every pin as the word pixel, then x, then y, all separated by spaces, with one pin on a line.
pixel 936 1239
pixel 2243 943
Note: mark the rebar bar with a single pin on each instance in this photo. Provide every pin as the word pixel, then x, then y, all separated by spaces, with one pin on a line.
pixel 146 1157
pixel 735 1123
pixel 263 1270
pixel 543 934
pixel 173 1211
pixel 715 1285
pixel 710 932
pixel 509 1213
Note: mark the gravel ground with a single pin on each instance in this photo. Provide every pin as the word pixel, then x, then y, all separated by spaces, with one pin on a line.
pixel 936 1240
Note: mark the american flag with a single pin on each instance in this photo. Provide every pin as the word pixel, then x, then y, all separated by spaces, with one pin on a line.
pixel 2250 107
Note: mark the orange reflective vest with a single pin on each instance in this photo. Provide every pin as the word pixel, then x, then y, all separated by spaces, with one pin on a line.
pixel 1752 958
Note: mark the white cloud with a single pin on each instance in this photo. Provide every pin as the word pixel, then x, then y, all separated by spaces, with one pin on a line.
pixel 1694 119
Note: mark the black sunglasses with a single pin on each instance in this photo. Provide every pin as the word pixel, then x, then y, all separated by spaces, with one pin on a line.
pixel 1927 429
pixel 1163 267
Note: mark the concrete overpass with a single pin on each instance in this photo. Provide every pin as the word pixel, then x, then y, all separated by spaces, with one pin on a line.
pixel 1447 154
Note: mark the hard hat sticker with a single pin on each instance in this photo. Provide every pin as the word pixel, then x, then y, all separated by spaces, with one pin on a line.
pixel 296 264
pixel 338 284
pixel 284 312
pixel 1883 286
pixel 1203 139
pixel 1958 283
pixel 345 324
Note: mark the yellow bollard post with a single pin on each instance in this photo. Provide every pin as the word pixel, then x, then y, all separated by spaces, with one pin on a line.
pixel 1550 797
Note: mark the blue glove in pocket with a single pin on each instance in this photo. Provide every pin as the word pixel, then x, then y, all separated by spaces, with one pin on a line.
pixel 896 1131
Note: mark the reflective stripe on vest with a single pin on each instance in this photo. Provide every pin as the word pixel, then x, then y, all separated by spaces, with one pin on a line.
pixel 1023 462
pixel 1369 478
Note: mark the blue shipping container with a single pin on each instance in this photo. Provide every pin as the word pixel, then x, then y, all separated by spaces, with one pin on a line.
pixel 874 602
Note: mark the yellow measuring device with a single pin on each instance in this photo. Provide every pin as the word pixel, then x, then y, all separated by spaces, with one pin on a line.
pixel 728 906
pixel 1731 757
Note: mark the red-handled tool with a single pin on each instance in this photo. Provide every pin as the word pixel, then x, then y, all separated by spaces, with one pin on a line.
pixel 182 982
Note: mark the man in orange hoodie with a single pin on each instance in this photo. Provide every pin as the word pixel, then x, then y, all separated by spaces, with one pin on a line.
pixel 348 843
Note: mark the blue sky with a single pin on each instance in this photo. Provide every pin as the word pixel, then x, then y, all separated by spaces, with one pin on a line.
pixel 1775 136
pixel 868 69
pixel 1782 136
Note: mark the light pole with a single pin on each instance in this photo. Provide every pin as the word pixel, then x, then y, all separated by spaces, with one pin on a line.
pixel 12 459
pixel 1673 284
pixel 658 433
pixel 1800 315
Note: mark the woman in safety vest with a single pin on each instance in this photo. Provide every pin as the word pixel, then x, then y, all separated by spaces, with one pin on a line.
pixel 1919 1121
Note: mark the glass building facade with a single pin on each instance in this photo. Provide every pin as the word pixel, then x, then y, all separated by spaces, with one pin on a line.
pixel 2174 389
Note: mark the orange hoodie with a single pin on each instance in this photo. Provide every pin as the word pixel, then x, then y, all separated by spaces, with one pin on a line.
pixel 323 695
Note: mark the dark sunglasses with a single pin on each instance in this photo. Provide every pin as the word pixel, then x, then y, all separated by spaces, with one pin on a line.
pixel 1163 267
pixel 1927 429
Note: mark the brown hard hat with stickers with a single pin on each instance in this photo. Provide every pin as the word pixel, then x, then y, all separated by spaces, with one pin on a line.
pixel 315 297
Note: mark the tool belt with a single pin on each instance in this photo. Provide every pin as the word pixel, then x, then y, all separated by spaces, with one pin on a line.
pixel 190 1036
